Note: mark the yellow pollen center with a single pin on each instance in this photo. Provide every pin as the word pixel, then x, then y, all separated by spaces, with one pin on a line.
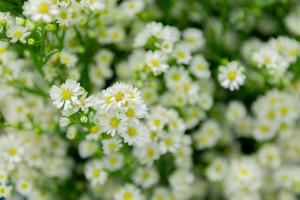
pixel 114 122
pixel 18 34
pixel 94 129
pixel 132 132
pixel 130 113
pixel 157 122
pixel 128 196
pixel 13 152
pixel 169 142
pixel 96 173
pixel 112 146
pixel 44 8
pixel 2 50
pixel 119 96
pixel 180 54
pixel 66 94
pixel 176 77
pixel 155 62
pixel 244 172
pixel 231 75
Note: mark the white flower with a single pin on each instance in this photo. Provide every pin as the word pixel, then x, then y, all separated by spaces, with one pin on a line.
pixel 24 187
pixel 87 148
pixel 147 153
pixel 135 134
pixel 17 33
pixel 194 38
pixel 156 62
pixel 231 76
pixel 128 192
pixel 264 130
pixel 113 162
pixel 200 67
pixel 64 16
pixel 208 135
pixel 93 4
pixel 217 170
pixel 244 175
pixel 169 143
pixel 111 145
pixel 67 95
pixel 5 191
pixel 68 59
pixel 123 98
pixel 182 54
pixel 43 10
pixel 145 177
pixel 269 155
pixel 132 7
pixel 94 172
pixel 113 122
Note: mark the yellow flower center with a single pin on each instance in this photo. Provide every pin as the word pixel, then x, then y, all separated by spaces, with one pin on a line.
pixel 119 96
pixel 132 132
pixel 66 59
pixel 200 67
pixel 66 94
pixel 112 146
pixel 157 122
pixel 24 186
pixel 127 196
pixel 44 8
pixel 114 122
pixel 231 75
pixel 180 54
pixel 244 172
pixel 131 5
pixel 63 15
pixel 176 77
pixel 150 153
pixel 12 152
pixel 264 128
pixel 155 62
pixel 169 142
pixel 113 160
pixel 130 113
pixel 96 173
pixel 18 34
pixel 2 50
pixel 94 129
pixel 267 60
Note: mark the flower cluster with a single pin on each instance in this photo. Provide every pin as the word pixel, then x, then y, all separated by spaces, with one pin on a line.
pixel 149 100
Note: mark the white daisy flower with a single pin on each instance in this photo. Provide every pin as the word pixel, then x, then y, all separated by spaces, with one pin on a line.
pixel 17 33
pixel 200 67
pixel 156 62
pixel 94 172
pixel 67 95
pixel 87 148
pixel 135 134
pixel 231 76
pixel 132 7
pixel 113 122
pixel 24 187
pixel 128 192
pixel 264 130
pixel 43 10
pixel 111 145
pixel 113 162
pixel 145 177
pixel 68 59
pixel 93 4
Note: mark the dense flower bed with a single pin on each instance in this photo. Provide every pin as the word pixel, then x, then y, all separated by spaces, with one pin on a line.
pixel 149 99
